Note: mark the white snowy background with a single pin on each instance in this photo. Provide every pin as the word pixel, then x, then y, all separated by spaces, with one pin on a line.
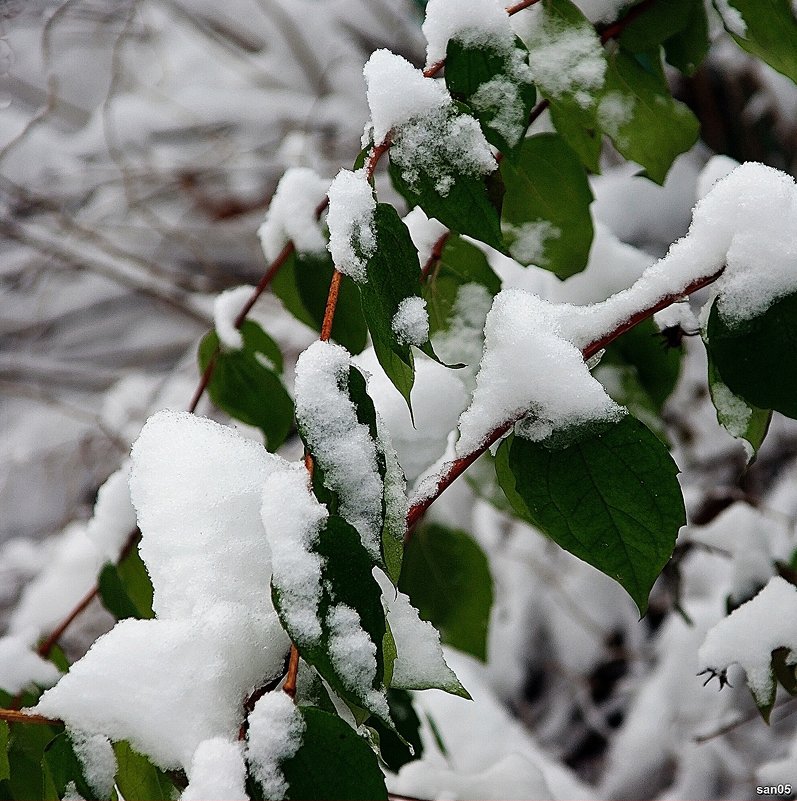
pixel 140 144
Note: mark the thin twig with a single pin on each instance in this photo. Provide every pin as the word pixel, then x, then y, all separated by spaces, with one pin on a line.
pixel 435 255
pixel 15 716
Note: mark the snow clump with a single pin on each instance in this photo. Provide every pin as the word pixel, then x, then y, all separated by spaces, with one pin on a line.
pixel 226 308
pixel 352 237
pixel 410 323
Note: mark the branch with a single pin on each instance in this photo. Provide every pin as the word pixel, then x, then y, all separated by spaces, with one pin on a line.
pixel 15 716
pixel 435 255
pixel 459 466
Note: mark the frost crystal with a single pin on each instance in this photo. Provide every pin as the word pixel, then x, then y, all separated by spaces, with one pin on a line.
pixel 342 445
pixel 275 735
pixel 352 238
pixel 292 214
pixel 410 323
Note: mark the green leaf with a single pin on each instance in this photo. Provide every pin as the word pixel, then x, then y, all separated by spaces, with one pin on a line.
pixel 460 263
pixel 61 766
pixel 546 219
pixel 659 22
pixel 346 579
pixel 735 415
pixel 447 578
pixel 640 116
pixel 393 274
pixel 333 763
pixel 126 589
pixel 491 83
pixel 303 286
pixel 687 48
pixel 399 750
pixel 245 387
pixel 138 778
pixel 586 140
pixel 25 753
pixel 757 358
pixel 466 208
pixel 769 32
pixel 5 768
pixel 607 493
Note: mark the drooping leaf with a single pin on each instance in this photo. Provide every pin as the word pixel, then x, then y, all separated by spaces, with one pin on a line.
pixel 26 746
pixel 496 87
pixel 735 415
pixel 640 116
pixel 246 383
pixel 460 263
pixel 393 275
pixel 765 28
pixel 5 768
pixel 447 578
pixel 606 493
pixel 332 763
pixel 303 285
pixel 757 358
pixel 126 589
pixel 137 777
pixel 584 137
pixel 394 750
pixel 62 767
pixel 346 580
pixel 546 219
pixel 686 49
pixel 467 206
pixel 659 22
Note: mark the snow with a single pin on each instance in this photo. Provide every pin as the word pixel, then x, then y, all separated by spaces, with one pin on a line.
pixel 353 655
pixel 751 632
pixel 114 518
pixel 476 23
pixel 528 241
pixel 226 308
pixel 342 446
pixel 615 110
pixel 97 759
pixel 168 684
pixel 291 216
pixel 438 397
pixel 21 667
pixel 293 519
pixel 410 323
pixel 275 734
pixel 420 663
pixel 500 97
pixel 731 17
pixel 424 232
pixel 551 381
pixel 716 168
pixel 217 772
pixel 565 59
pixel 430 139
pixel 352 238
pixel 463 341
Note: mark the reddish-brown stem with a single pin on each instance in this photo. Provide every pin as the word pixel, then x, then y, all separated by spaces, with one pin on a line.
pixel 616 28
pixel 332 302
pixel 520 6
pixel 15 716
pixel 289 688
pixel 434 256
pixel 204 380
pixel 538 109
pixel 459 466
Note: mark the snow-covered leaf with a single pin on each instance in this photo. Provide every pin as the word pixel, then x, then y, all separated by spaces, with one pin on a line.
pixel 546 219
pixel 62 767
pixel 246 383
pixel 756 358
pixel 332 762
pixel 766 29
pixel 460 263
pixel 448 580
pixel 606 493
pixel 496 85
pixel 394 746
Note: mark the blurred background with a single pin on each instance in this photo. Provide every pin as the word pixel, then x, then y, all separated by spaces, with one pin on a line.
pixel 140 143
